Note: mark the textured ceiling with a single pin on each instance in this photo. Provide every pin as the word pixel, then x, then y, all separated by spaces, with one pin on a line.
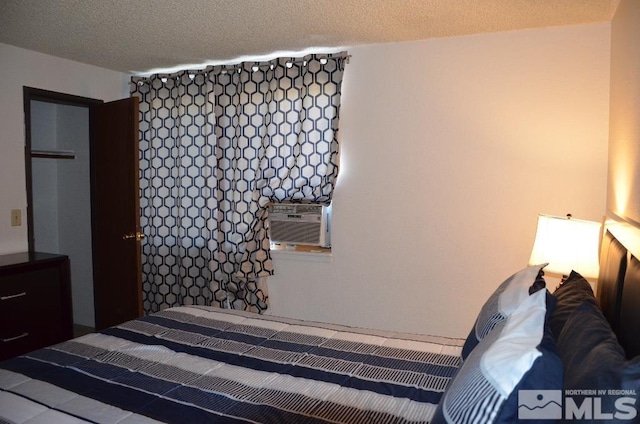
pixel 141 36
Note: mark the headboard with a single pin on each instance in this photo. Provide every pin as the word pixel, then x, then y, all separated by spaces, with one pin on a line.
pixel 619 291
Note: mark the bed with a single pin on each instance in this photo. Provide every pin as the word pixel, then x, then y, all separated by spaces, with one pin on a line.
pixel 199 364
pixel 531 356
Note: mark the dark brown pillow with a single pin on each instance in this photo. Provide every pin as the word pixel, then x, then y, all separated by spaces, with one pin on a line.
pixel 571 294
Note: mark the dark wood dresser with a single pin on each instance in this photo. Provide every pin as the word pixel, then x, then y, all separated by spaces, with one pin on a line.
pixel 35 302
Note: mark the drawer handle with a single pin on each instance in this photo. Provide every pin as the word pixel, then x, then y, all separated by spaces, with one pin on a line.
pixel 13 296
pixel 21 336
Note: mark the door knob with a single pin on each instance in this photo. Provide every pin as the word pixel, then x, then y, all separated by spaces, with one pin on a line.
pixel 131 236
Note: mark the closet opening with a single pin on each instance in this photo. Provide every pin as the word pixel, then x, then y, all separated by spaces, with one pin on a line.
pixel 83 199
pixel 58 151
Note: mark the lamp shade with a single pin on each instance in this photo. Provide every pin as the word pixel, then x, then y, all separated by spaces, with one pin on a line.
pixel 567 244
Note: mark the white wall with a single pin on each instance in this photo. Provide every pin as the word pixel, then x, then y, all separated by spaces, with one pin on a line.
pixel 624 148
pixel 450 149
pixel 18 68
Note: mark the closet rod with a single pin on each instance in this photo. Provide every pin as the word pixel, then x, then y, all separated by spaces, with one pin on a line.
pixel 52 154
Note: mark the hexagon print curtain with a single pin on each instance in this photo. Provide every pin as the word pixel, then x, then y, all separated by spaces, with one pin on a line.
pixel 216 147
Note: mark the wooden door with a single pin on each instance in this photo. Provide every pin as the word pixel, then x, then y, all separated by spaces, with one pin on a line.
pixel 115 205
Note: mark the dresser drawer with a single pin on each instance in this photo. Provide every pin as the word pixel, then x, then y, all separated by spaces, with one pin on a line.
pixel 25 340
pixel 34 308
pixel 30 306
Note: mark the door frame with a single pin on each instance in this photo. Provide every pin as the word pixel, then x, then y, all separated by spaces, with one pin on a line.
pixel 99 113
pixel 40 95
pixel 36 94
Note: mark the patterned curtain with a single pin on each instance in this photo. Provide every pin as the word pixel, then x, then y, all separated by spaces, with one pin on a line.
pixel 216 147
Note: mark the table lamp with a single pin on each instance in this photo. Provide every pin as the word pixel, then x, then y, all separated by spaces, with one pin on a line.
pixel 567 244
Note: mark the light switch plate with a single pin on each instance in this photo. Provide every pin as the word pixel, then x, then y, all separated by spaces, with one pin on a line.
pixel 16 217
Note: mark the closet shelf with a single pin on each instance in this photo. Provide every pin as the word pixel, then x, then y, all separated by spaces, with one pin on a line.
pixel 53 154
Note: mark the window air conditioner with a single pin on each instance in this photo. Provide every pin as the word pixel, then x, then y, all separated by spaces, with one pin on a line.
pixel 295 223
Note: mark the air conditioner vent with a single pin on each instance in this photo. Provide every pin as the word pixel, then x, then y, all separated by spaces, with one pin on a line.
pixel 292 223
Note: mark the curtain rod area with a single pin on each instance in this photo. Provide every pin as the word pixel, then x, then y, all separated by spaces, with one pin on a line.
pixel 247 65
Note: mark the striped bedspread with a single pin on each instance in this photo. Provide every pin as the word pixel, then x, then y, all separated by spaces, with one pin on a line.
pixel 199 365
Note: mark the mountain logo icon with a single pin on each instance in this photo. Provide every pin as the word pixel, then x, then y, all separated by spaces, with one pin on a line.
pixel 540 404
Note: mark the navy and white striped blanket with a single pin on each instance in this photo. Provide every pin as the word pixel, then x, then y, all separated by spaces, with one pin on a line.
pixel 199 364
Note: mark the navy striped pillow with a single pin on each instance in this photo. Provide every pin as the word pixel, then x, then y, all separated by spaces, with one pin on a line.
pixel 519 354
pixel 503 302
